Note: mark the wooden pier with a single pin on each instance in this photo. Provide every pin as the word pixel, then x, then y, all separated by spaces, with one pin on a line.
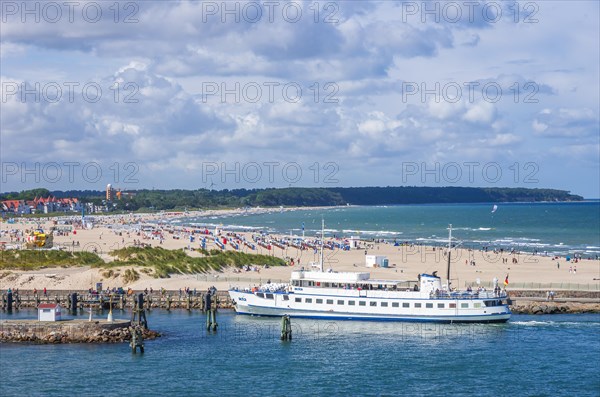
pixel 103 301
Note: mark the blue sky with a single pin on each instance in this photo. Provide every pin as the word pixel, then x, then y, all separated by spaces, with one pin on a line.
pixel 178 94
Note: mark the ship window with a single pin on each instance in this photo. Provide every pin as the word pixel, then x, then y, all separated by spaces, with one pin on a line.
pixel 319 300
pixel 269 296
pixel 395 304
pixel 464 305
pixel 429 305
pixel 384 304
pixel 308 300
pixel 330 301
pixel 477 305
pixel 260 294
pixel 362 303
pixel 298 299
pixel 417 305
pixel 405 304
pixel 452 305
pixel 372 303
pixel 340 302
pixel 441 305
pixel 351 303
pixel 286 298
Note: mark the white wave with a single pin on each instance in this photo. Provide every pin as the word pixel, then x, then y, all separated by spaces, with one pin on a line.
pixel 534 323
pixel 504 240
pixel 370 231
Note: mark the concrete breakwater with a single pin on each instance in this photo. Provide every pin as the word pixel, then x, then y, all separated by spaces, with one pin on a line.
pixel 536 307
pixel 561 302
pixel 70 331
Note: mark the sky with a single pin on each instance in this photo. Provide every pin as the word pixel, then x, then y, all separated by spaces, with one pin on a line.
pixel 255 94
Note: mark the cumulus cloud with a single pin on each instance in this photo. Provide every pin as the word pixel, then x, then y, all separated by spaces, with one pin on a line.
pixel 567 123
pixel 153 60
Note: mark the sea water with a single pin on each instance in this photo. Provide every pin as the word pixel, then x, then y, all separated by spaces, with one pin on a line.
pixel 551 228
pixel 547 355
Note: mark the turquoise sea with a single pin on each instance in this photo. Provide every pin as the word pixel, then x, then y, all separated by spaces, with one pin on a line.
pixel 551 355
pixel 554 228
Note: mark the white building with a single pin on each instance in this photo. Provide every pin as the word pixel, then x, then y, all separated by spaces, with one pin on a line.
pixel 376 261
pixel 354 242
pixel 49 312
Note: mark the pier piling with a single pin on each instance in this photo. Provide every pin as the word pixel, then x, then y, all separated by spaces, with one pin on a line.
pixel 286 328
pixel 137 340
pixel 211 320
pixel 9 301
pixel 139 312
pixel 73 303
pixel 211 313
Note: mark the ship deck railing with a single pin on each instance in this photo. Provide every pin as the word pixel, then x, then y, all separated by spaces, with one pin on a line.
pixel 468 295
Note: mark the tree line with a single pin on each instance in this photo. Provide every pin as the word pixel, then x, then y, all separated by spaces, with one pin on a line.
pixel 179 199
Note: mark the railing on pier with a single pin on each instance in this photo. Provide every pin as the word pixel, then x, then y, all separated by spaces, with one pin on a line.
pixel 236 279
pixel 566 286
pixel 156 299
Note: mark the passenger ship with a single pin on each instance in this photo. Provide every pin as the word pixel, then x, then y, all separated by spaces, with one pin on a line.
pixel 355 296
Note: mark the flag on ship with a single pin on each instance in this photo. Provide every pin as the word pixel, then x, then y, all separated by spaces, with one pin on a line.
pixel 506 281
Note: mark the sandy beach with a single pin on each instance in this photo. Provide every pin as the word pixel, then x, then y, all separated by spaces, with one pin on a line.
pixel 524 270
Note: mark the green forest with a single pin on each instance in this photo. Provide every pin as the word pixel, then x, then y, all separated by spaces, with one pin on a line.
pixel 154 200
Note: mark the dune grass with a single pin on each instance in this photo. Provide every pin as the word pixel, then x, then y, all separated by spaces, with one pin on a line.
pixel 159 262
pixel 165 262
pixel 39 259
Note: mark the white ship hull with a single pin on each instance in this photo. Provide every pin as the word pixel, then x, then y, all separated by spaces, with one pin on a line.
pixel 370 308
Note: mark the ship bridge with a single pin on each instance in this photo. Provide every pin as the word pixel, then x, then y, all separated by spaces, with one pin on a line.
pixel 337 277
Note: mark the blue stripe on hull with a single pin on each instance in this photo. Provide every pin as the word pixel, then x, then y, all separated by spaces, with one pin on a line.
pixel 476 319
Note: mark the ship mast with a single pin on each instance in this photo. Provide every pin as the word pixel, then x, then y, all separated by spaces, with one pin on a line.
pixel 449 251
pixel 322 243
